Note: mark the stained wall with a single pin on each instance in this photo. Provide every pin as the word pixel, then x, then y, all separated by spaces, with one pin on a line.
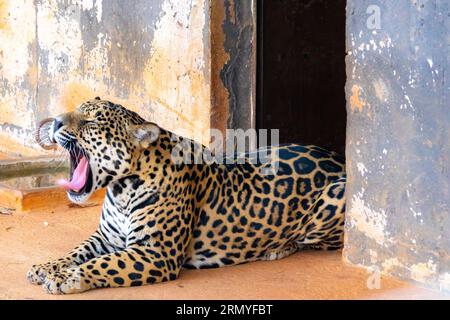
pixel 151 56
pixel 398 139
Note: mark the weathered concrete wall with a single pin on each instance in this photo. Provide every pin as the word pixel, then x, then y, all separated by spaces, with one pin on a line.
pixel 233 64
pixel 398 138
pixel 152 56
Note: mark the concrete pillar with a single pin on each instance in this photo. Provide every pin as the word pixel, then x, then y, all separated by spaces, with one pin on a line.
pixel 398 138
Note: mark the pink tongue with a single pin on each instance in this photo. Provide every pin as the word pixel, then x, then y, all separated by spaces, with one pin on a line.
pixel 79 177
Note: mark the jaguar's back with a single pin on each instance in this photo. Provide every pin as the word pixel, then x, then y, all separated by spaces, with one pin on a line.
pixel 266 210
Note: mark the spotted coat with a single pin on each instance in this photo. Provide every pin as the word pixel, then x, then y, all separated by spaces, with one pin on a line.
pixel 160 216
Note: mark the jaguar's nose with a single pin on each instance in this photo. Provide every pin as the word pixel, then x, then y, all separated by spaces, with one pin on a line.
pixel 57 124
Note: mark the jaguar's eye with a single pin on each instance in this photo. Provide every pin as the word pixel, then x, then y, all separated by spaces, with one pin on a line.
pixel 85 122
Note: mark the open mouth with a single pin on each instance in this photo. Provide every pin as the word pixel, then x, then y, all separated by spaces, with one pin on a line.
pixel 80 173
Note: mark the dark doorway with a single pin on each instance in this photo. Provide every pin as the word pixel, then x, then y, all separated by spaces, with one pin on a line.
pixel 301 71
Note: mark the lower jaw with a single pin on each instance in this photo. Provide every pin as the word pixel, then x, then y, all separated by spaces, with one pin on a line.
pixel 78 198
pixel 76 194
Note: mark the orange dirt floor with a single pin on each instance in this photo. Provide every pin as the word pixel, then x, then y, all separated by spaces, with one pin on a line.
pixel 35 237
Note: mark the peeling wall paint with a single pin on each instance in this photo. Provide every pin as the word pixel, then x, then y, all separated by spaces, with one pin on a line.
pixel 219 58
pixel 398 139
pixel 370 222
pixel 239 73
pixel 151 56
pixel 18 71
pixel 356 102
pixel 233 64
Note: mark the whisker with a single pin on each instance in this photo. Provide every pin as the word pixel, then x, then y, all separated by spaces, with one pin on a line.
pixel 61 158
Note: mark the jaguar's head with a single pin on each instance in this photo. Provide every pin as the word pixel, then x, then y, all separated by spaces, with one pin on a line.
pixel 103 140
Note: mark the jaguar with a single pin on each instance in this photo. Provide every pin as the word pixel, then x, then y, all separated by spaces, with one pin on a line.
pixel 161 215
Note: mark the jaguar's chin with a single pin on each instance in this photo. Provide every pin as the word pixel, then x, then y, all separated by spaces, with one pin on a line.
pixel 79 198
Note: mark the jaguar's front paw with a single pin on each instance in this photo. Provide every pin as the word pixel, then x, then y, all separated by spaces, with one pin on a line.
pixel 39 272
pixel 65 282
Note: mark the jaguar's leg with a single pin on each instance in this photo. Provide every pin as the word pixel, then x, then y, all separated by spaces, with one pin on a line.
pixel 326 245
pixel 134 266
pixel 94 246
pixel 287 250
pixel 325 229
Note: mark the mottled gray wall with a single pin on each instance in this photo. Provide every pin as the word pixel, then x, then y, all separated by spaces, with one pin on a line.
pixel 233 64
pixel 398 138
pixel 239 73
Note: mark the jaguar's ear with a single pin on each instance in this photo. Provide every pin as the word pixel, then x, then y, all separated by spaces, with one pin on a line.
pixel 144 134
